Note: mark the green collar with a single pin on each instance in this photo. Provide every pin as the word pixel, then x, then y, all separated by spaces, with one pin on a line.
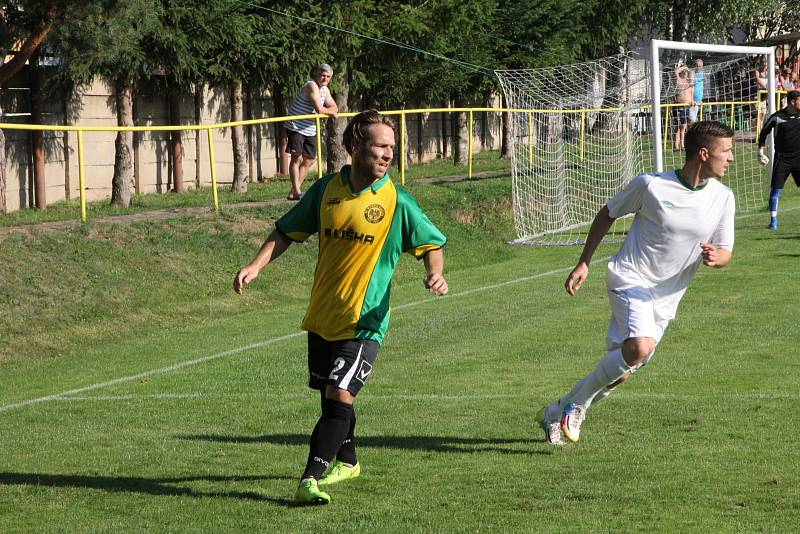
pixel 686 184
pixel 374 186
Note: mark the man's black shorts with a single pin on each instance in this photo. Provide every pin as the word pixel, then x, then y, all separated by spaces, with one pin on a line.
pixel 681 114
pixel 297 143
pixel 345 364
pixel 781 170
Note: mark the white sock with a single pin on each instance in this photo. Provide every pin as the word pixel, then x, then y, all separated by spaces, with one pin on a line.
pixel 609 370
pixel 602 394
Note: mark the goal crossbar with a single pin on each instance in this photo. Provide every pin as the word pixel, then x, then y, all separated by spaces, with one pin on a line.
pixel 657 45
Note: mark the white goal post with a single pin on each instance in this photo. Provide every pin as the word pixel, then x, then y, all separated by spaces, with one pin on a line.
pixel 581 132
pixel 657 46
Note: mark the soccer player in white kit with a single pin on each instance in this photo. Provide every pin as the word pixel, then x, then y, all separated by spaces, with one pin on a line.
pixel 682 218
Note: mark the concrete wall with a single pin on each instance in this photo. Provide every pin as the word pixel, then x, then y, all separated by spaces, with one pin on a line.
pixel 95 105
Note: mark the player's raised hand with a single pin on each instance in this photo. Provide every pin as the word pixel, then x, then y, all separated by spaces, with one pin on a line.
pixel 244 277
pixel 436 284
pixel 576 278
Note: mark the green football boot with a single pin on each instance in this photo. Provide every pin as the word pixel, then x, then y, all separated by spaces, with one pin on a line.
pixel 340 471
pixel 309 494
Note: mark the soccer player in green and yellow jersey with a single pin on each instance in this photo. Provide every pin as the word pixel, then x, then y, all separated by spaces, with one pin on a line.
pixel 364 223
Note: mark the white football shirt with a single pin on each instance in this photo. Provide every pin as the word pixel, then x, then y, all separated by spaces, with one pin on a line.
pixel 662 249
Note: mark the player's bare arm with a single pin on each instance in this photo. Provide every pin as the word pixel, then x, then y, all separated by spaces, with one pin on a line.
pixel 714 256
pixel 434 278
pixel 330 107
pixel 600 226
pixel 275 245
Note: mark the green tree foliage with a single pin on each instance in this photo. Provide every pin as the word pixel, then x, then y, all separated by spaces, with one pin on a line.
pixel 107 38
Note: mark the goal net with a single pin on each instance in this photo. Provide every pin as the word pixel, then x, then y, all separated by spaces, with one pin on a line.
pixel 581 132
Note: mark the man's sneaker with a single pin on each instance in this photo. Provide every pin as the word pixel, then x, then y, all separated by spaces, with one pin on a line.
pixel 308 493
pixel 340 471
pixel 552 429
pixel 571 421
pixel 773 224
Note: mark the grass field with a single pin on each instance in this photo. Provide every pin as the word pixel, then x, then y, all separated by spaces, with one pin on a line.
pixel 139 393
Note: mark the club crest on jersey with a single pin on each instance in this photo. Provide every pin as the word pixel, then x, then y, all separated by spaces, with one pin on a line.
pixel 374 213
pixel 666 203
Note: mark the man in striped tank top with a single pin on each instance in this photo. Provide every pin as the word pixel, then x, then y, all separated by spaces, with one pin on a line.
pixel 313 97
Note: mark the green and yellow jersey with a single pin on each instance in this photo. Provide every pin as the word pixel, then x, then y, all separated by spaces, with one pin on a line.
pixel 361 237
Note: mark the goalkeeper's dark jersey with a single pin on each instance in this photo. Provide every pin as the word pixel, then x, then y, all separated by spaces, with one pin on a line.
pixel 787 134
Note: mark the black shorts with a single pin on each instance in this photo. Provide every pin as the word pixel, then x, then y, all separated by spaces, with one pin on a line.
pixel 681 114
pixel 297 143
pixel 781 170
pixel 345 364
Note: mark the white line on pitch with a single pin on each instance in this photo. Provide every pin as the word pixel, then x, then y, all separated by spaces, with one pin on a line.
pixel 762 213
pixel 621 395
pixel 163 370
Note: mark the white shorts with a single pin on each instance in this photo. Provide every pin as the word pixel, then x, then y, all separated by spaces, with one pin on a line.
pixel 693 112
pixel 632 315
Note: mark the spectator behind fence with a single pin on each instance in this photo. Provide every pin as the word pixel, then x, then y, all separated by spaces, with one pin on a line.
pixel 760 86
pixel 697 94
pixel 684 88
pixel 313 97
pixel 785 83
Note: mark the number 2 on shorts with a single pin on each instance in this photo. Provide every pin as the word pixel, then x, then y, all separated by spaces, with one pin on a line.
pixel 337 366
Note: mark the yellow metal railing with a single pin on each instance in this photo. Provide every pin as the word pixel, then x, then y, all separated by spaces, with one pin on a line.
pixel 318 118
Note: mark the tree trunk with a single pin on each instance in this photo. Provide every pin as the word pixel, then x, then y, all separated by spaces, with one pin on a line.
pixel 460 143
pixel 445 136
pixel 198 115
pixel 37 136
pixel 423 121
pixel 237 136
pixel 337 155
pixel 250 145
pixel 123 146
pixel 507 134
pixel 176 143
pixel 2 171
pixel 281 110
pixel 31 43
pixel 137 140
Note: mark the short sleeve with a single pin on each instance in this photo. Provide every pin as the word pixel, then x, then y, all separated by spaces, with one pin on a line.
pixel 420 235
pixel 723 236
pixel 630 199
pixel 300 222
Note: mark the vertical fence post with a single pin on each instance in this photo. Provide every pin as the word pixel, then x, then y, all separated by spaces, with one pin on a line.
pixel 212 168
pixel 758 119
pixel 731 118
pixel 666 110
pixel 81 180
pixel 402 157
pixel 469 147
pixel 319 148
pixel 583 131
pixel 530 138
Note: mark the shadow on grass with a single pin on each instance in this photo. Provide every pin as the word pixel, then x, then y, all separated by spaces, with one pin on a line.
pixel 152 486
pixel 771 237
pixel 424 443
